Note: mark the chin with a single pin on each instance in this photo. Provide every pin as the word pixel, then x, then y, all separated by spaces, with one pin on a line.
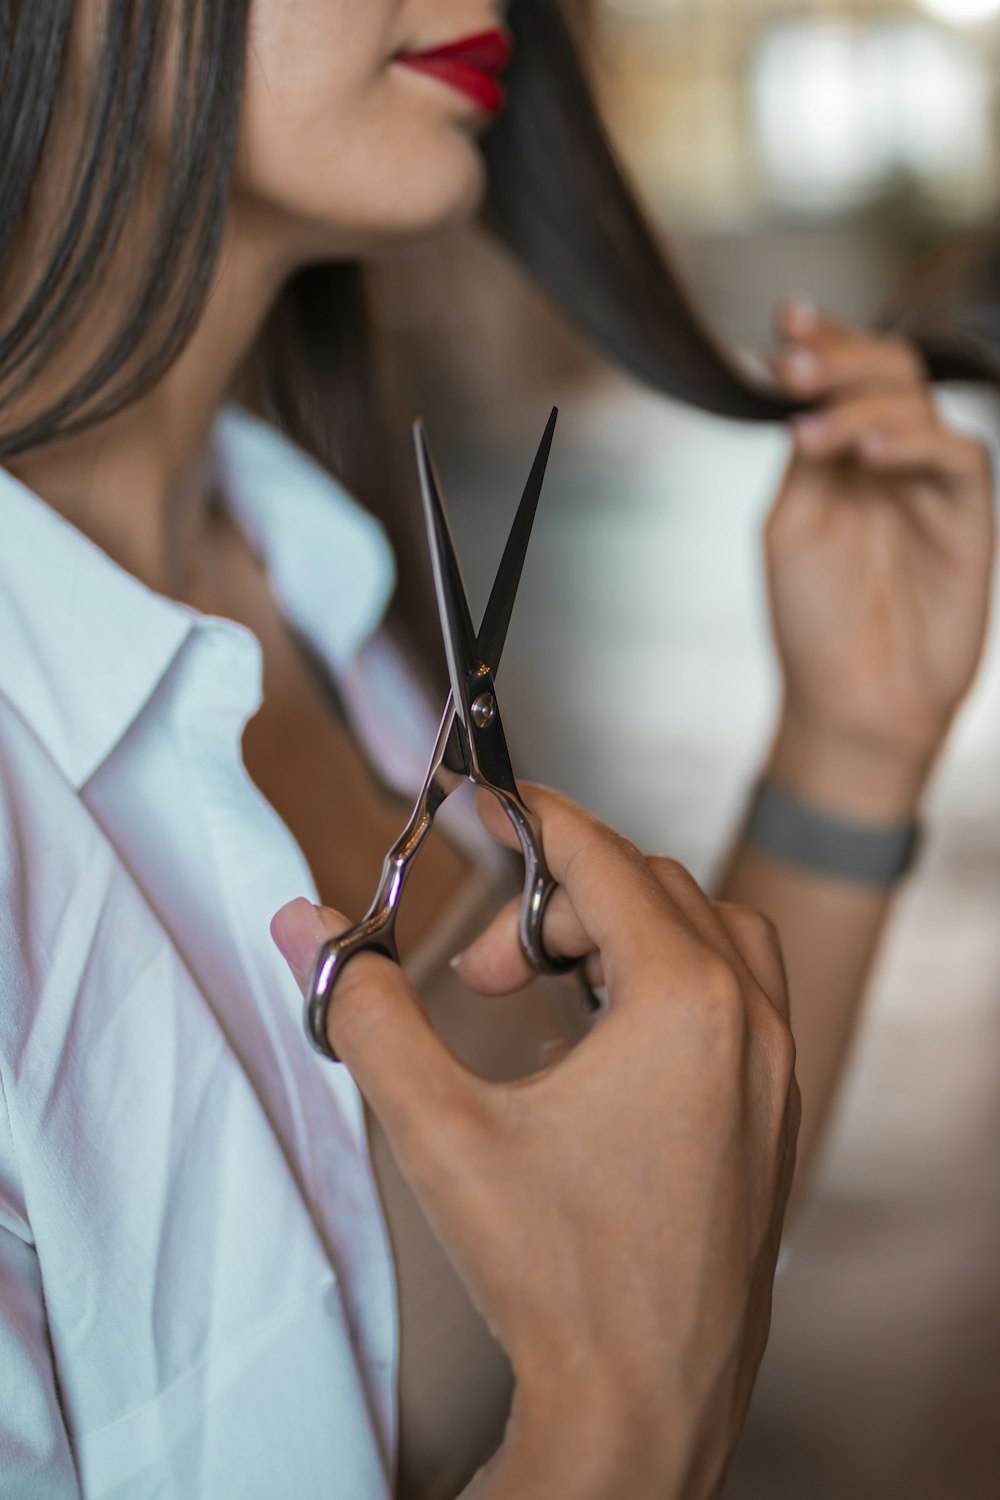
pixel 443 190
pixel 435 204
pixel 459 209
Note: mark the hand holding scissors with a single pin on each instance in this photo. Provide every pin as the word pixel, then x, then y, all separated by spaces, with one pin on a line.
pixel 616 1215
pixel 470 746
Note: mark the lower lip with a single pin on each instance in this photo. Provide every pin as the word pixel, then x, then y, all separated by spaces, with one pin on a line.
pixel 460 68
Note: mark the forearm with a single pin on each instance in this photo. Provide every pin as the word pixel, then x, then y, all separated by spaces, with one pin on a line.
pixel 830 928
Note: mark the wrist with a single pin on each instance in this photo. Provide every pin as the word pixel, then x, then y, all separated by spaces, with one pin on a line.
pixel 846 773
pixel 577 1445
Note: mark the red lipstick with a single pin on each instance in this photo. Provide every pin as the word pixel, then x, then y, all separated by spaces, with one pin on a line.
pixel 469 65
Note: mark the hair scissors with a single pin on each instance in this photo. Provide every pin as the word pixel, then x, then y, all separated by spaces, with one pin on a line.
pixel 470 746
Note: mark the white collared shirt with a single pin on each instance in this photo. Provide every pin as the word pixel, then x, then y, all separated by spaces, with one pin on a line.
pixel 196 1291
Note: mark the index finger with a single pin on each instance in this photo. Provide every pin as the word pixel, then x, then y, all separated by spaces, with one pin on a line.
pixel 618 900
pixel 827 357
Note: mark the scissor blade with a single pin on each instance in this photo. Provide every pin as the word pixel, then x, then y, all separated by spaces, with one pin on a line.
pixel 460 646
pixel 496 619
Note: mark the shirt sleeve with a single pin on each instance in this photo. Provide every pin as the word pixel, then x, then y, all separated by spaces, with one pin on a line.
pixel 35 1453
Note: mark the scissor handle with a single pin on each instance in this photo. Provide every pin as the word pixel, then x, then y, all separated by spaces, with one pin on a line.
pixel 539 885
pixel 376 932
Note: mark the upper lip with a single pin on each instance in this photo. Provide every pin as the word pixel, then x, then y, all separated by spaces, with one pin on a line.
pixel 486 51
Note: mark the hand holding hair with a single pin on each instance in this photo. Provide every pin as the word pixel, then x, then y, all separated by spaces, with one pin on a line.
pixel 615 1217
pixel 879 555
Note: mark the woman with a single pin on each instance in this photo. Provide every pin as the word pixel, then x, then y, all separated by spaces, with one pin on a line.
pixel 203 1238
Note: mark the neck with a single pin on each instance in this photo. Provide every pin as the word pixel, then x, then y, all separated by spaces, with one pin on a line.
pixel 139 484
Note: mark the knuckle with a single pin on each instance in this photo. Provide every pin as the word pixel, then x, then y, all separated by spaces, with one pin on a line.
pixel 758 941
pixel 623 845
pixel 757 928
pixel 778 1043
pixel 722 993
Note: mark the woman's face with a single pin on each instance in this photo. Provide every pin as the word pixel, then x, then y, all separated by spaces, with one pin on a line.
pixel 344 147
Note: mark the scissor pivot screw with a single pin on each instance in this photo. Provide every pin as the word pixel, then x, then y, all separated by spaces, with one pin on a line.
pixel 484 710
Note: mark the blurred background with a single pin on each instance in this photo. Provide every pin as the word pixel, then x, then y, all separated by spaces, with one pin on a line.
pixel 820 146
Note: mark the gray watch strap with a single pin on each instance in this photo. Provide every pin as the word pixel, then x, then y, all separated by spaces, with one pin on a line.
pixel 799 834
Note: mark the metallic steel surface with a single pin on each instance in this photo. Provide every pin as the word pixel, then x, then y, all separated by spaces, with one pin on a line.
pixel 470 746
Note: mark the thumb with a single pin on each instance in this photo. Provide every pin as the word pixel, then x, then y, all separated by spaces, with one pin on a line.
pixel 379 1029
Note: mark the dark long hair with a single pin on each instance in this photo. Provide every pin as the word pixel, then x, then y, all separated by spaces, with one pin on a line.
pixel 102 184
pixel 557 199
pixel 950 308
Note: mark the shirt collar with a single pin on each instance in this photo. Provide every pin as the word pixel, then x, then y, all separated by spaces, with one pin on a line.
pixel 330 565
pixel 83 644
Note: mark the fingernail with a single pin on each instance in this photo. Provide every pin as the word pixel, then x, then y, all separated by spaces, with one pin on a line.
pixel 876 443
pixel 759 366
pixel 299 930
pixel 810 429
pixel 455 963
pixel 800 366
